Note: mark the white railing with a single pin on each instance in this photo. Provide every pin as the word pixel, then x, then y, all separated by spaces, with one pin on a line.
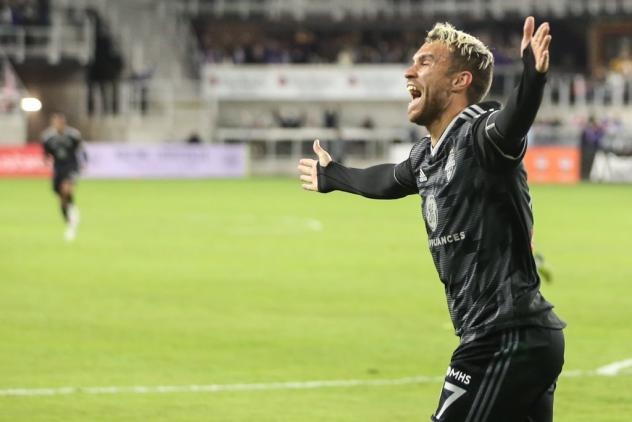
pixel 568 99
pixel 51 42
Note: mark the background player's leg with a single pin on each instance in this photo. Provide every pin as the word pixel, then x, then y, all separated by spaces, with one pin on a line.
pixel 71 213
pixel 58 189
pixel 64 195
pixel 64 207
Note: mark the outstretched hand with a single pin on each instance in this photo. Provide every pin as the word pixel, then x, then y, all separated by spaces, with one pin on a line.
pixel 539 43
pixel 307 167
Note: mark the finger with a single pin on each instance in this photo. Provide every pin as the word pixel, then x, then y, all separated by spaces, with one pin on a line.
pixel 309 186
pixel 306 178
pixel 307 162
pixel 538 34
pixel 305 169
pixel 527 33
pixel 317 147
pixel 527 30
pixel 545 43
pixel 541 48
pixel 543 66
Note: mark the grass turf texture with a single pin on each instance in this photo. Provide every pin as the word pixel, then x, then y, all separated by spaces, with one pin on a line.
pixel 204 282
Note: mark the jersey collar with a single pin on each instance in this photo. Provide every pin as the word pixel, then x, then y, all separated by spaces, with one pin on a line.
pixel 469 113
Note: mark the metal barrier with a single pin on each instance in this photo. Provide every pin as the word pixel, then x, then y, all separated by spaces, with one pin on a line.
pixel 51 42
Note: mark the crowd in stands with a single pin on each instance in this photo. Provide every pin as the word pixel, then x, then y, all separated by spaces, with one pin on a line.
pixel 306 46
pixel 24 12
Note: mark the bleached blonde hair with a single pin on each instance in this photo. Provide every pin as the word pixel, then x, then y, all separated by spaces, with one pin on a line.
pixel 468 53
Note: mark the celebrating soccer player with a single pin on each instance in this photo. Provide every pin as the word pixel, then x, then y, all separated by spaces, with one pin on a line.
pixel 62 144
pixel 477 212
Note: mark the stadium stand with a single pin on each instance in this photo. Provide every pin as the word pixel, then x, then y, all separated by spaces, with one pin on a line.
pixel 158 71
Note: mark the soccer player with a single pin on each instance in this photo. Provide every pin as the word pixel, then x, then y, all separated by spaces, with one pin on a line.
pixel 63 145
pixel 477 212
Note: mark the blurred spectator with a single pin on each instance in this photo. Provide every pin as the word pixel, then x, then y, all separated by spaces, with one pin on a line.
pixel 590 143
pixel 257 45
pixel 6 14
pixel 330 119
pixel 104 71
pixel 368 123
pixel 25 12
pixel 194 139
pixel 289 117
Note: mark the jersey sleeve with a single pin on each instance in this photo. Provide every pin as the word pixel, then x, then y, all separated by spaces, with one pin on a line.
pixel 500 136
pixel 377 182
pixel 404 175
pixel 492 150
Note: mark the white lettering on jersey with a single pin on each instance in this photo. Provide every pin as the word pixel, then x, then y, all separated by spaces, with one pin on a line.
pixel 450 165
pixel 459 376
pixel 444 240
pixel 431 212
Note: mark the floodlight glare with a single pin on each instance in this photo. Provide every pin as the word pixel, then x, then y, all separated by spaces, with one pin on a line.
pixel 30 104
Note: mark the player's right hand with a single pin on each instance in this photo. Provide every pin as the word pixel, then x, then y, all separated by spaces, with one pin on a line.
pixel 307 167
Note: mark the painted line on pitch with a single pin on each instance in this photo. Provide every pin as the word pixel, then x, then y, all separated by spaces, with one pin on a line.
pixel 217 388
pixel 613 369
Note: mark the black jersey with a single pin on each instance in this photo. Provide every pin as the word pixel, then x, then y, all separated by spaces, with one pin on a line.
pixel 63 147
pixel 477 212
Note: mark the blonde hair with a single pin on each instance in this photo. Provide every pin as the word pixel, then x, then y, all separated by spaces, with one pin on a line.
pixel 468 53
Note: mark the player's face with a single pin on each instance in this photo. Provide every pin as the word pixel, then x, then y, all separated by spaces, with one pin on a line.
pixel 58 122
pixel 428 82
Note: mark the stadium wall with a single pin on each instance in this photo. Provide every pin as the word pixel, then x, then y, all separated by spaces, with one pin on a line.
pixel 13 128
pixel 137 161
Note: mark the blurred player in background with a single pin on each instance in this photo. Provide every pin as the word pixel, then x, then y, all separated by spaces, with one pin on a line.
pixel 63 145
pixel 477 210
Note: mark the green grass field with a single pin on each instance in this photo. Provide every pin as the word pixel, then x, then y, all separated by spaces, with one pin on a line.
pixel 224 282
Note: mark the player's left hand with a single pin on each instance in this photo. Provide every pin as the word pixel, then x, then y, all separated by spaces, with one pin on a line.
pixel 307 167
pixel 539 43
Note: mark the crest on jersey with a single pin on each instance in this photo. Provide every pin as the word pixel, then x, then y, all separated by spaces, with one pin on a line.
pixel 431 212
pixel 422 176
pixel 450 166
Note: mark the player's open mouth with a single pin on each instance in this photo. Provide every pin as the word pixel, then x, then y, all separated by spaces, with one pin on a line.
pixel 413 91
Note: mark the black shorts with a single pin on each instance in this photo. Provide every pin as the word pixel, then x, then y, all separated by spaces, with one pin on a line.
pixel 507 376
pixel 60 176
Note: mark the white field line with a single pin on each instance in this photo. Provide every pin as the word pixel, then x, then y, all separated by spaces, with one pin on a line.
pixel 614 368
pixel 216 388
pixel 610 370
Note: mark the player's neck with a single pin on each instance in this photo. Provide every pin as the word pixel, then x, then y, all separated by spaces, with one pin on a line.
pixel 437 127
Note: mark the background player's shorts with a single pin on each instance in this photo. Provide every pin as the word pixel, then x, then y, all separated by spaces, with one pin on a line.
pixel 60 175
pixel 508 376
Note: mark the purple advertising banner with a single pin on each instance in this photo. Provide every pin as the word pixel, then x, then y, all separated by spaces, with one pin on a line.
pixel 113 161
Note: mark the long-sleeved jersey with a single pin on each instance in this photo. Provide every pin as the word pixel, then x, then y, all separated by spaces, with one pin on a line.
pixel 476 208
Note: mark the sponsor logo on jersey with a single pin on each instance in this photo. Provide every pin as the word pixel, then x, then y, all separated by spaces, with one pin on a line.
pixel 458 375
pixel 431 212
pixel 444 240
pixel 422 176
pixel 450 166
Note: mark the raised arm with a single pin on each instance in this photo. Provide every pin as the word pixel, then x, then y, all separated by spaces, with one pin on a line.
pixel 505 130
pixel 377 182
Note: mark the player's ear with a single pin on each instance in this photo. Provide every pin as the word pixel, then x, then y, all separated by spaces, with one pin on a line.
pixel 461 81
